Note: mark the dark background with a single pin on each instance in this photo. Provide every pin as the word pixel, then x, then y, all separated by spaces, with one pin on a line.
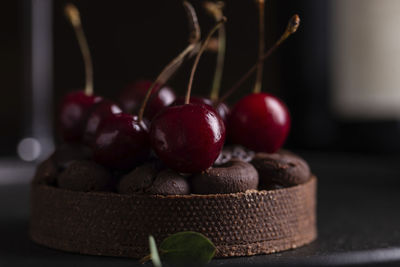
pixel 11 69
pixel 135 39
pixel 131 40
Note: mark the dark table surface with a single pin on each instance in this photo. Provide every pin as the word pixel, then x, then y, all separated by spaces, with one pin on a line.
pixel 358 218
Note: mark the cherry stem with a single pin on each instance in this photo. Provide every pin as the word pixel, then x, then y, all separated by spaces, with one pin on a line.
pixel 194 27
pixel 173 66
pixel 145 259
pixel 261 47
pixel 197 59
pixel 73 16
pixel 215 9
pixel 291 28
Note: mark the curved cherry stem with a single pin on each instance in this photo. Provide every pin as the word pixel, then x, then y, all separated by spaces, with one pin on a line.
pixel 173 66
pixel 215 9
pixel 291 28
pixel 194 27
pixel 197 59
pixel 73 16
pixel 261 47
pixel 216 85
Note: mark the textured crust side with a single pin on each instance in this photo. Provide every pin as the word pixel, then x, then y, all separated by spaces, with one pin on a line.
pixel 240 224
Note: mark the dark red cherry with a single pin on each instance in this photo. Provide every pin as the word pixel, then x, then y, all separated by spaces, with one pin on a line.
pixel 121 142
pixel 74 112
pixel 193 100
pixel 222 109
pixel 187 138
pixel 133 95
pixel 99 113
pixel 260 122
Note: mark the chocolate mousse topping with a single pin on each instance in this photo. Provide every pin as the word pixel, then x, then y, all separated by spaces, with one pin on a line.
pixel 282 168
pixel 148 179
pixel 138 180
pixel 67 153
pixel 46 172
pixel 169 182
pixel 231 177
pixel 85 176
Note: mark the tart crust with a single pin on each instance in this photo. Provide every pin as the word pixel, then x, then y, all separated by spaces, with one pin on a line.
pixel 110 224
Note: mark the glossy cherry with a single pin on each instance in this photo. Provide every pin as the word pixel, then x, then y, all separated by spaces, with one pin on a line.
pixel 133 95
pixel 74 112
pixel 100 112
pixel 222 109
pixel 121 142
pixel 187 138
pixel 76 106
pixel 260 122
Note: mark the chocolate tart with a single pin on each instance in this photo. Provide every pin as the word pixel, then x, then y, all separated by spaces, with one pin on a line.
pixel 111 224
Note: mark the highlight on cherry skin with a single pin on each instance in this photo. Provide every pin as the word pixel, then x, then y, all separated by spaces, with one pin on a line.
pixel 100 112
pixel 74 112
pixel 221 108
pixel 260 122
pixel 121 142
pixel 187 138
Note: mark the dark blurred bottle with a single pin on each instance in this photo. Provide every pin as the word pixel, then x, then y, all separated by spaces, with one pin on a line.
pixel 365 51
pixel 341 76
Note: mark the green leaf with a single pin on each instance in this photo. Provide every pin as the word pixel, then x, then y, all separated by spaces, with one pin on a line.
pixel 155 258
pixel 187 247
